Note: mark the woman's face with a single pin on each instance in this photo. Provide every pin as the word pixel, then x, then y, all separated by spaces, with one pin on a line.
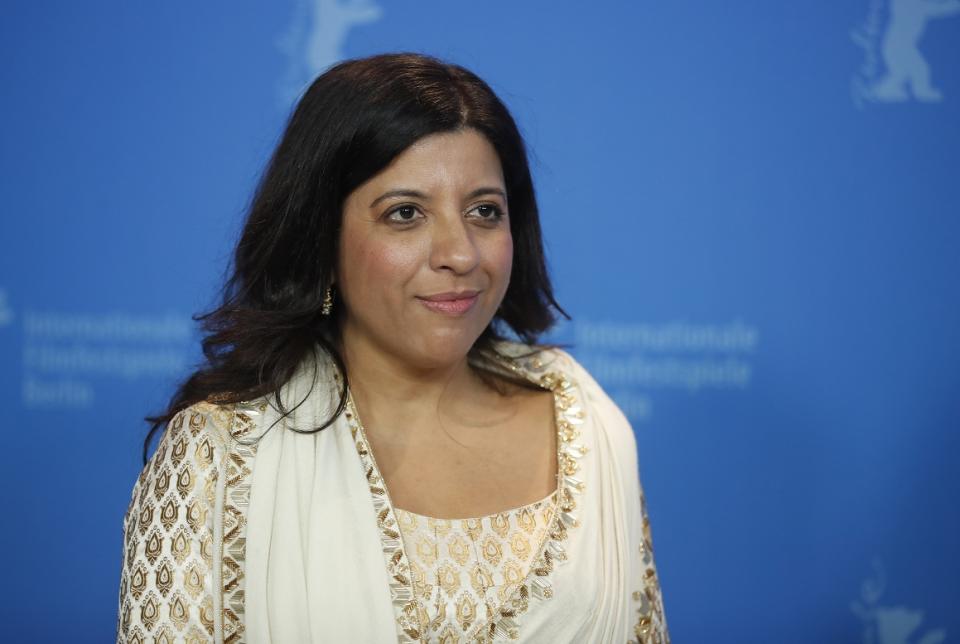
pixel 426 251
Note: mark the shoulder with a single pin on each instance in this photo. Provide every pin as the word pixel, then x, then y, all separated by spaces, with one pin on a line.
pixel 195 446
pixel 536 362
pixel 598 407
pixel 168 528
pixel 193 437
pixel 204 426
pixel 187 459
pixel 539 361
pixel 192 448
pixel 547 364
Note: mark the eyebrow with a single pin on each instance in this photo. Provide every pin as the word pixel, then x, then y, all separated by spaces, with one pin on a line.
pixel 404 192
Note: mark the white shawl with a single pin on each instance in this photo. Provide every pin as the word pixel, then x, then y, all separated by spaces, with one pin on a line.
pixel 324 562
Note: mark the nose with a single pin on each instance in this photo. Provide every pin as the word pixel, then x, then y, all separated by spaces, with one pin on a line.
pixel 453 246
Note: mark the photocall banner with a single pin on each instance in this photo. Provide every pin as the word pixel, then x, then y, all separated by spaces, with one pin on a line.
pixel 751 213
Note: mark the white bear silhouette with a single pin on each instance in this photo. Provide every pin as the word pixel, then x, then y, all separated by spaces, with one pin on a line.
pixel 315 39
pixel 890 624
pixel 331 22
pixel 905 64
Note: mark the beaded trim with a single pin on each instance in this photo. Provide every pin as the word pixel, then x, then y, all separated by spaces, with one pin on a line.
pixel 398 567
pixel 537 585
pixel 569 415
pixel 236 502
pixel 651 624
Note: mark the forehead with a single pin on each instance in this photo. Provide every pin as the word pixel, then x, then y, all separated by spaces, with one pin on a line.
pixel 444 159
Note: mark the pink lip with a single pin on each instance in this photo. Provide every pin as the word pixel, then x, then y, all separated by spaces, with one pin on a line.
pixel 451 303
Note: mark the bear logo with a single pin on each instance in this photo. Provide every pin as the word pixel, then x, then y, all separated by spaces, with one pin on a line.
pixel 314 40
pixel 904 73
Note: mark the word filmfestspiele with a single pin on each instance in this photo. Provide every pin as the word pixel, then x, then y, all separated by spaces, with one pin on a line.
pixel 65 354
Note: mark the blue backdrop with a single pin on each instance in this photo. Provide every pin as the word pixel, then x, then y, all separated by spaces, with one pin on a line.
pixel 750 210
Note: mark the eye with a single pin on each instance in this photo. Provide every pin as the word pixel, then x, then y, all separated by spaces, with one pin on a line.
pixel 489 212
pixel 402 214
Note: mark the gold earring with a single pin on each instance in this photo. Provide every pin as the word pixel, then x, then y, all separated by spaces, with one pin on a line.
pixel 327 302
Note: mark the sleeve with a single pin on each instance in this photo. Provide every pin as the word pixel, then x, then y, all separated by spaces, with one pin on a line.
pixel 649 625
pixel 166 580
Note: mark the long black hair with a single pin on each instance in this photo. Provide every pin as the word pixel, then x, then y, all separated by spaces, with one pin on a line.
pixel 353 120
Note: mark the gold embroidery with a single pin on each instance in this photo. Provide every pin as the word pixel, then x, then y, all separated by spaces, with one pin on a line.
pixel 236 501
pixel 512 573
pixel 440 527
pixel 512 576
pixel 145 519
pixel 651 625
pixel 206 614
pixel 185 482
pixel 197 422
pixel 152 547
pixel 458 547
pixel 491 551
pixel 138 582
pixel 473 528
pixel 568 416
pixel 125 618
pixel 181 546
pixel 179 613
pixel 448 578
pixel 206 549
pixel 466 611
pixel 407 521
pixel 161 484
pixel 516 594
pixel 406 607
pixel 179 451
pixel 525 520
pixel 426 551
pixel 204 453
pixel 500 525
pixel 131 551
pixel 196 516
pixel 448 636
pixel 165 577
pixel 480 579
pixel 520 545
pixel 168 514
pixel 148 611
pixel 193 580
pixel 420 582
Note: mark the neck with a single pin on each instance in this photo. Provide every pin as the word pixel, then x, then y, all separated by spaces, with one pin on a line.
pixel 390 392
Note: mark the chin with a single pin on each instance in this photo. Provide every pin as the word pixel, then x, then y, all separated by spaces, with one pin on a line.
pixel 442 349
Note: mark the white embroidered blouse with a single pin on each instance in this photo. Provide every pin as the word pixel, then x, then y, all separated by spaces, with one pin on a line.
pixel 463 570
pixel 241 530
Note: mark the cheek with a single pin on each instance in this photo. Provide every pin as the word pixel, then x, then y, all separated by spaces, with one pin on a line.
pixel 501 256
pixel 378 265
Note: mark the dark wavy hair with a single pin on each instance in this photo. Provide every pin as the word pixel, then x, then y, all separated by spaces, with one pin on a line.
pixel 353 120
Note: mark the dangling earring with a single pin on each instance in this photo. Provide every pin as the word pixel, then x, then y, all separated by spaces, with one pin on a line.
pixel 327 302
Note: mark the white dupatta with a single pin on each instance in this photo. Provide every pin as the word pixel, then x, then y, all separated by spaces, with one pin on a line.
pixel 325 563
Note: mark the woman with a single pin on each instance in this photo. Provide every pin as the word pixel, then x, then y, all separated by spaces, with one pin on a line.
pixel 364 457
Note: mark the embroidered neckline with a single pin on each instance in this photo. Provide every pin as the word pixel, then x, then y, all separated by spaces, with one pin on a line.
pixel 398 567
pixel 568 416
pixel 517 510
